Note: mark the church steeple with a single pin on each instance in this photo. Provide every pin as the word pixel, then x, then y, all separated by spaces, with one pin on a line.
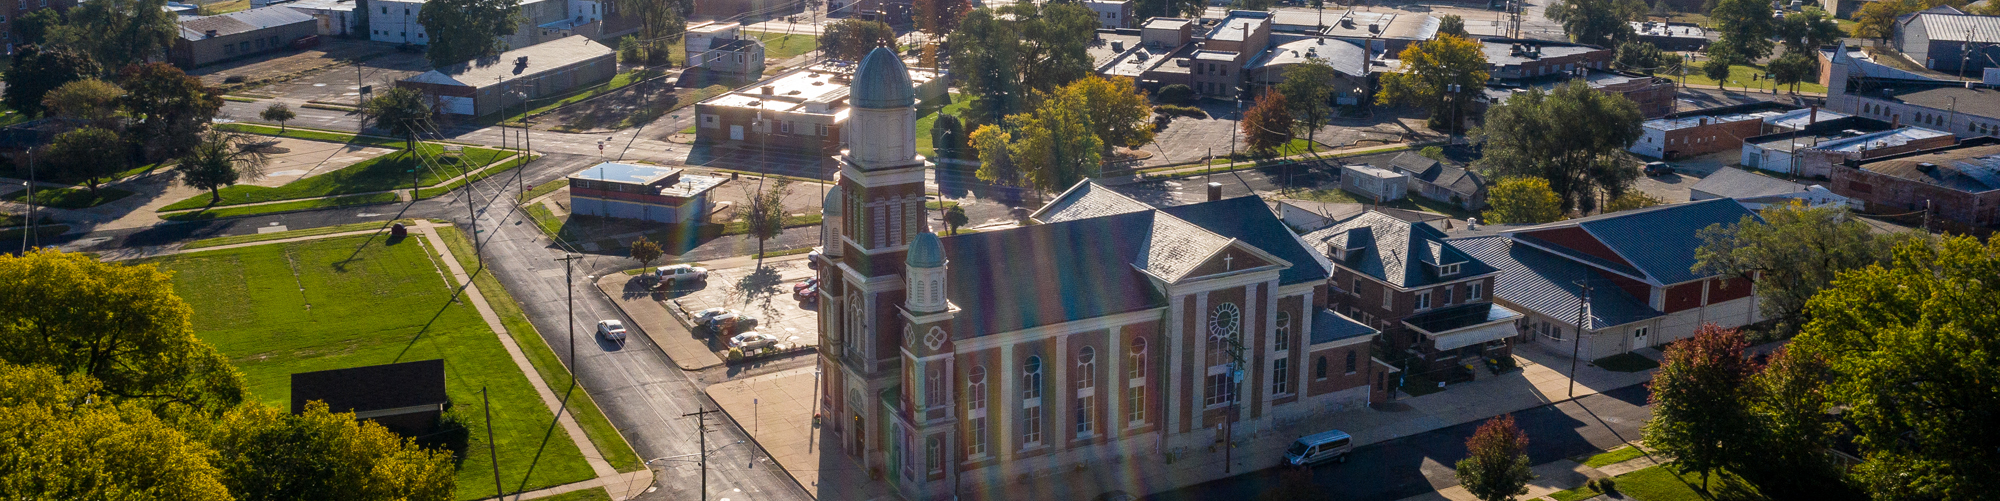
pixel 881 175
pixel 924 270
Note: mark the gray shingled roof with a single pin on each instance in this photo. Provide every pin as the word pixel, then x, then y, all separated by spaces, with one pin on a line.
pixel 241 22
pixel 1451 177
pixel 1087 200
pixel 1249 221
pixel 1175 247
pixel 1388 246
pixel 1737 183
pixel 1546 283
pixel 1047 274
pixel 1329 327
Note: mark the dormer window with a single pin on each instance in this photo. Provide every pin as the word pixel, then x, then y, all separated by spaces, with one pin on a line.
pixel 1447 270
pixel 1338 253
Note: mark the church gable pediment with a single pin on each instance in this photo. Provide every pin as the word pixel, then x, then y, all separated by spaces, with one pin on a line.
pixel 1237 257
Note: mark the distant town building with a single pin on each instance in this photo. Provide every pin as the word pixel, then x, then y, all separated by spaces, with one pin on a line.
pixel 1814 152
pixel 1432 301
pixel 1678 37
pixel 1755 191
pixel 1959 183
pixel 332 17
pixel 586 17
pixel 1520 60
pixel 395 21
pixel 1217 68
pixel 1374 184
pixel 1353 82
pixel 1701 132
pixel 1442 181
pixel 490 85
pixel 1946 39
pixel 1965 109
pixel 644 192
pixel 1384 34
pixel 211 39
pixel 407 398
pixel 721 50
pixel 801 110
pixel 1112 14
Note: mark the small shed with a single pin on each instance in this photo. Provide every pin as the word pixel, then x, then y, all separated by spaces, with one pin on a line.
pixel 406 398
pixel 1374 184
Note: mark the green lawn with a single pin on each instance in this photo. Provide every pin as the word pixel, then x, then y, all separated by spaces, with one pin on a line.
pixel 783 46
pixel 1740 75
pixel 281 235
pixel 316 135
pixel 929 112
pixel 552 102
pixel 489 171
pixel 383 173
pixel 281 309
pixel 582 495
pixel 45 230
pixel 1661 484
pixel 258 210
pixel 550 368
pixel 1614 456
pixel 69 198
pixel 543 189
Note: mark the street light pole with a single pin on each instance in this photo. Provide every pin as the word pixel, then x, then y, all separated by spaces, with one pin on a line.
pixel 1582 320
pixel 570 284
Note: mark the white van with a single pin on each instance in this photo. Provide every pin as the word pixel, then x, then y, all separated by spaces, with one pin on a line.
pixel 1318 448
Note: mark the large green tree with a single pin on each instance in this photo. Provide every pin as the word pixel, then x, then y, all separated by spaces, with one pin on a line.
pixel 764 210
pixel 265 454
pixel 34 27
pixel 1644 57
pixel 1118 112
pixel 173 107
pixel 1914 360
pixel 89 100
pixel 1522 200
pixel 1056 147
pixel 1791 408
pixel 38 70
pixel 64 440
pixel 853 38
pixel 1009 55
pixel 462 30
pixel 1803 32
pixel 1496 464
pixel 121 325
pixel 662 23
pixel 1746 29
pixel 401 111
pixel 1791 253
pixel 119 32
pixel 220 160
pixel 1452 24
pixel 1878 19
pixel 1573 136
pixel 1604 23
pixel 1436 68
pixel 1308 91
pixel 87 153
pixel 1792 69
pixel 1701 403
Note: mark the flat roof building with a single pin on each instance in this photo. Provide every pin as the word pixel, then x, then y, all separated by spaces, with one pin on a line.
pixel 645 192
pixel 487 85
pixel 800 110
pixel 1959 183
pixel 211 39
pixel 407 398
pixel 1671 36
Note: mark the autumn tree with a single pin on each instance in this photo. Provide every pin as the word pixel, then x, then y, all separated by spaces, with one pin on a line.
pixel 996 161
pixel 853 38
pixel 1877 20
pixel 220 160
pixel 1118 112
pixel 1308 91
pixel 1267 125
pixel 280 113
pixel 38 70
pixel 1496 464
pixel 1701 403
pixel 1791 253
pixel 65 440
pixel 1522 200
pixel 1913 360
pixel 1573 136
pixel 646 251
pixel 89 100
pixel 173 107
pixel 87 153
pixel 764 211
pixel 1632 200
pixel 1444 75
pixel 1644 57
pixel 1055 147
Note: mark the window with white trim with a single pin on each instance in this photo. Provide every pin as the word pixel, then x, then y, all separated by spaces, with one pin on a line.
pixel 1281 382
pixel 975 404
pixel 1283 341
pixel 1135 383
pixel 1475 291
pixel 1423 300
pixel 1448 270
pixel 1031 402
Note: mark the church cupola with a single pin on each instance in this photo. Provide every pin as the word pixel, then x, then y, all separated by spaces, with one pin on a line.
pixel 829 228
pixel 925 266
pixel 882 120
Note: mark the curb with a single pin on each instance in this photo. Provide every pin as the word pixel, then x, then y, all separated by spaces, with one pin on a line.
pixel 631 324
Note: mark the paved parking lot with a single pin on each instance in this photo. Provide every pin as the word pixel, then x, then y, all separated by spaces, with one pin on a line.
pixel 344 84
pixel 1674 188
pixel 764 292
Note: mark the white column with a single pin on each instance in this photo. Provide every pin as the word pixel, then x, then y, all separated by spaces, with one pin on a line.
pixel 1169 372
pixel 1000 412
pixel 1199 352
pixel 1114 364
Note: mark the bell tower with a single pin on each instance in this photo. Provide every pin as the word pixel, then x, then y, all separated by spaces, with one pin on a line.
pixel 881 175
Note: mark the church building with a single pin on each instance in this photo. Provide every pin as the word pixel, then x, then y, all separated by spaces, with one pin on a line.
pixel 1079 353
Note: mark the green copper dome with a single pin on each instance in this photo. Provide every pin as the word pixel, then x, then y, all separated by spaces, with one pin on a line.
pixel 831 207
pixel 926 252
pixel 882 82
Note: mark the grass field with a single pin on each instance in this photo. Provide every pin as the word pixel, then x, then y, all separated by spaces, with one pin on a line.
pixel 280 309
pixel 258 210
pixel 550 368
pixel 783 46
pixel 1614 456
pixel 543 189
pixel 281 235
pixel 69 198
pixel 383 173
pixel 552 102
pixel 1740 75
pixel 298 133
pixel 489 171
pixel 930 112
pixel 1661 484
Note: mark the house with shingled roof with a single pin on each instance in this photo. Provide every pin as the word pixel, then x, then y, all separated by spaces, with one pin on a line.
pixel 1638 265
pixel 1432 301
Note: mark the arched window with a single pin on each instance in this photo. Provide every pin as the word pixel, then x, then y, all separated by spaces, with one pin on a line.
pixel 1136 361
pixel 975 398
pixel 1135 383
pixel 1350 361
pixel 1284 340
pixel 1319 368
pixel 933 386
pixel 1086 368
pixel 1031 378
pixel 1031 402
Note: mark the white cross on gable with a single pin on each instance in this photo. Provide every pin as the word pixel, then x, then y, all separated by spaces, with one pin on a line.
pixel 1225 262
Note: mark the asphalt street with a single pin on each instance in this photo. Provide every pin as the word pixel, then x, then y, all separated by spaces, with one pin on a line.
pixel 1423 463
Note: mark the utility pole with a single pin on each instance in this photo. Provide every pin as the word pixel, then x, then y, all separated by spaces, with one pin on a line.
pixel 569 283
pixel 1927 215
pixel 1235 389
pixel 701 429
pixel 487 402
pixel 1582 321
pixel 31 205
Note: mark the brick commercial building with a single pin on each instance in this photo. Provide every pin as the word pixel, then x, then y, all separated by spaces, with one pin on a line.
pixel 490 85
pixel 1672 138
pixel 211 39
pixel 644 192
pixel 1959 183
pixel 992 365
pixel 1678 37
pixel 802 110
pixel 1517 61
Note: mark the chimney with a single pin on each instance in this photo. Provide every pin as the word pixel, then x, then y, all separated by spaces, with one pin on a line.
pixel 1701 121
pixel 208 34
pixel 1214 191
pixel 770 90
pixel 1812 117
pixel 1896 121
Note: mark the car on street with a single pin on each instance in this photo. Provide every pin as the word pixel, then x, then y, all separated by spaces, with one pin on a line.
pixel 805 284
pixel 674 274
pixel 812 258
pixel 611 329
pixel 701 317
pixel 1320 447
pixel 752 340
pixel 807 295
pixel 1658 169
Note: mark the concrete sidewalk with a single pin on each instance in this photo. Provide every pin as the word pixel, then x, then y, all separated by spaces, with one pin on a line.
pixel 776 409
